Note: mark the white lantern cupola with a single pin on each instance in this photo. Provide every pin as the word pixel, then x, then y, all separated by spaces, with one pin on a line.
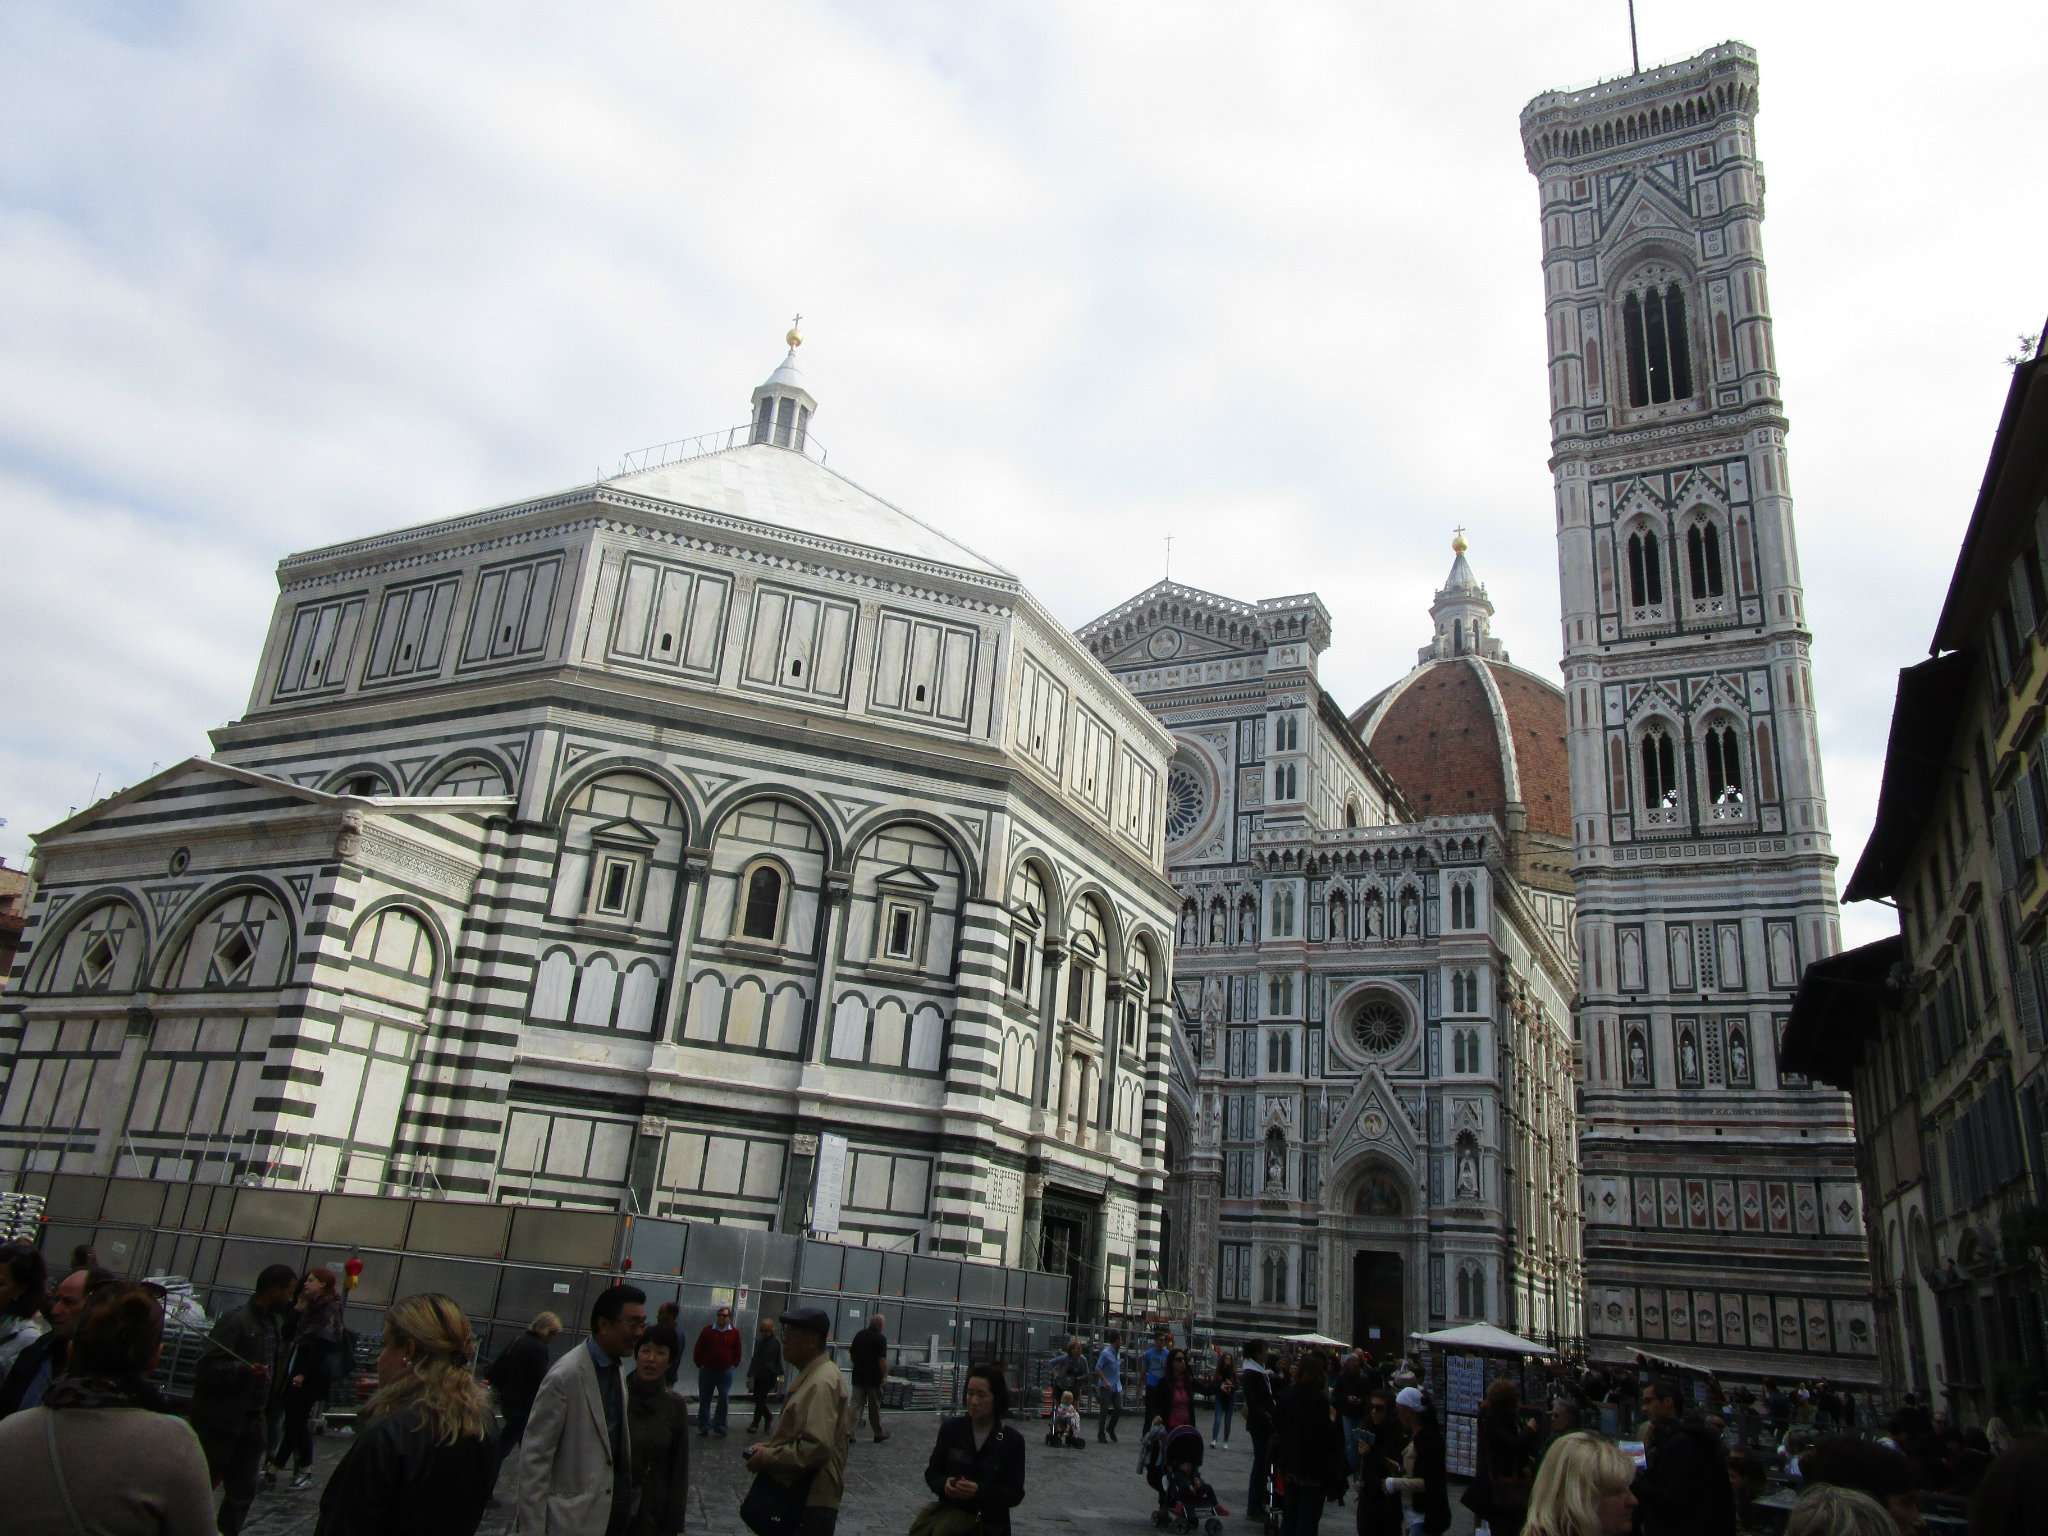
pixel 783 407
pixel 1462 614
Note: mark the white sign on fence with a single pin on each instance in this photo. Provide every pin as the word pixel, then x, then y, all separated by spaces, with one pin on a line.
pixel 831 1180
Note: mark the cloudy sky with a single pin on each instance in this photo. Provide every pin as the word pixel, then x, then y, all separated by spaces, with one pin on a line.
pixel 1074 278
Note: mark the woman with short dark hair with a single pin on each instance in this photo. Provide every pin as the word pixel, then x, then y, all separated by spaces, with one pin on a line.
pixel 23 1279
pixel 658 1436
pixel 977 1463
pixel 310 1369
pixel 100 1443
pixel 1173 1399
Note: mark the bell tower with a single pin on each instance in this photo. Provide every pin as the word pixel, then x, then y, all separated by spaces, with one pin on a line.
pixel 1724 1221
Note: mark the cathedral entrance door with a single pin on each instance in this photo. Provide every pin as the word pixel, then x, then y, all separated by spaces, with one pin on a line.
pixel 1376 1302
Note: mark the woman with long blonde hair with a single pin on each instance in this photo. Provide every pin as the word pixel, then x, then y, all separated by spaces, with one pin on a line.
pixel 1582 1489
pixel 426 1452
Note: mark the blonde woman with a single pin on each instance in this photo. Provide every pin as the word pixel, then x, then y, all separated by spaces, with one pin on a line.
pixel 1829 1510
pixel 1582 1489
pixel 425 1454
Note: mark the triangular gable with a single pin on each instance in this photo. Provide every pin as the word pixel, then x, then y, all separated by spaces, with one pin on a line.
pixel 1644 208
pixel 623 830
pixel 191 772
pixel 1374 1121
pixel 904 877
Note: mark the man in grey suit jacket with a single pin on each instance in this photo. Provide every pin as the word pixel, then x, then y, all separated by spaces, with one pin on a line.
pixel 574 1473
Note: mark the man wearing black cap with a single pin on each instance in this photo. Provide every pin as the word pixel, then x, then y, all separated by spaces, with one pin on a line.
pixel 810 1438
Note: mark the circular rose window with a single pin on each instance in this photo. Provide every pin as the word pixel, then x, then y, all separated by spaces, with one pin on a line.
pixel 1378 1026
pixel 1186 798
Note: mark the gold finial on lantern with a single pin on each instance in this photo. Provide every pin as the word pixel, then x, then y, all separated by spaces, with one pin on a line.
pixel 792 338
pixel 1458 540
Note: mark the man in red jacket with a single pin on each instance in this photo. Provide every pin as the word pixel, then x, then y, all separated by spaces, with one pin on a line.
pixel 717 1356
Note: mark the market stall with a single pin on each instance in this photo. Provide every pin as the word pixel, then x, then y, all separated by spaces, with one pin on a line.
pixel 1460 1364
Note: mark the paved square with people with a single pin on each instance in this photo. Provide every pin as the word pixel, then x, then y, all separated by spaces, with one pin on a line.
pixel 1098 1488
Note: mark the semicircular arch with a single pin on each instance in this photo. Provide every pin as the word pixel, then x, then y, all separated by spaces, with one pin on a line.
pixel 50 947
pixel 586 773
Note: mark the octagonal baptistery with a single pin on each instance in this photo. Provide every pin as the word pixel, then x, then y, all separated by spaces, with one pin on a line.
pixel 715 840
pixel 1469 733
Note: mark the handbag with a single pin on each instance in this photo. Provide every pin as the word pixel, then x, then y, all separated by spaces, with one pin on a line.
pixel 57 1471
pixel 773 1507
pixel 939 1519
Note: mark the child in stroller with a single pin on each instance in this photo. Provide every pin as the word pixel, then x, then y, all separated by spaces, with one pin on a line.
pixel 1186 1502
pixel 1066 1425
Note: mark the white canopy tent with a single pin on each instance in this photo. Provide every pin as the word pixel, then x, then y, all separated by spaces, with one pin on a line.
pixel 1482 1336
pixel 1322 1340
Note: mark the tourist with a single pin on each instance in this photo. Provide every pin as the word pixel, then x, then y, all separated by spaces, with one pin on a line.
pixel 232 1390
pixel 1582 1489
pixel 1109 1388
pixel 1349 1394
pixel 1258 1423
pixel 102 1443
pixel 870 1354
pixel 809 1443
pixel 1153 1361
pixel 716 1356
pixel 977 1462
pixel 1683 1488
pixel 1174 1398
pixel 311 1368
pixel 1070 1372
pixel 516 1376
pixel 657 1436
pixel 1826 1510
pixel 1505 1463
pixel 764 1375
pixel 41 1361
pixel 424 1454
pixel 1380 1448
pixel 1308 1448
pixel 1226 1400
pixel 1423 1478
pixel 2012 1495
pixel 23 1276
pixel 1844 1461
pixel 575 1473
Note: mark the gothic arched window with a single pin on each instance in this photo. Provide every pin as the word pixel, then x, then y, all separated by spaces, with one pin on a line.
pixel 1273 1279
pixel 1645 568
pixel 1703 558
pixel 1660 769
pixel 1659 356
pixel 1724 764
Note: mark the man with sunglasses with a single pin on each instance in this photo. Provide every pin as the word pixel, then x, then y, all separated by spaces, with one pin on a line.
pixel 43 1361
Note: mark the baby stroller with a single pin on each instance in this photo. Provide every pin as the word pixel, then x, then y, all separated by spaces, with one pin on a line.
pixel 1186 1502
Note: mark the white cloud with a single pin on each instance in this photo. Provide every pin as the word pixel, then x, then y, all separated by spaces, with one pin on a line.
pixel 1074 277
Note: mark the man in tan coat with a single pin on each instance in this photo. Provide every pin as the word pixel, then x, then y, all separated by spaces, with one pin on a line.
pixel 811 1436
pixel 575 1476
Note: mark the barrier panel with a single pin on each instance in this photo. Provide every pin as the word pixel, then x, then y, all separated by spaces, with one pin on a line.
pixel 505 1263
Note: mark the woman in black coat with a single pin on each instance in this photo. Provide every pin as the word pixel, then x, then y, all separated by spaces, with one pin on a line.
pixel 1505 1466
pixel 1308 1449
pixel 1379 1512
pixel 1173 1399
pixel 977 1463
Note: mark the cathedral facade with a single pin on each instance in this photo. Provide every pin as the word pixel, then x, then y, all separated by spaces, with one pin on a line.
pixel 1378 1136
pixel 1724 1222
pixel 716 840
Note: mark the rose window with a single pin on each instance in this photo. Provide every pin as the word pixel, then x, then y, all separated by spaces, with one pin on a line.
pixel 1378 1026
pixel 1185 802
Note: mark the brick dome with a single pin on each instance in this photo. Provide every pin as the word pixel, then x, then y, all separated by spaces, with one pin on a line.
pixel 1467 735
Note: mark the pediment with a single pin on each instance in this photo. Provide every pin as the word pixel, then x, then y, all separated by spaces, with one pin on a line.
pixel 906 878
pixel 625 831
pixel 1644 208
pixel 1160 643
pixel 1374 1121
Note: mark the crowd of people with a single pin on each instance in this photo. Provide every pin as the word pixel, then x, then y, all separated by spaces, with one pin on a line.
pixel 595 1441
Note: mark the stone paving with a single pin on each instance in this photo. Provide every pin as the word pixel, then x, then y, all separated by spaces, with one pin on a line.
pixel 1097 1488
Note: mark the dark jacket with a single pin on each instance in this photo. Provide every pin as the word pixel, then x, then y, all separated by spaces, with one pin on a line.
pixel 766 1365
pixel 1308 1446
pixel 516 1375
pixel 1258 1400
pixel 241 1366
pixel 1379 1512
pixel 996 1469
pixel 26 1365
pixel 394 1481
pixel 1683 1488
pixel 658 1432
pixel 1504 1466
pixel 1350 1393
pixel 869 1349
pixel 1158 1399
pixel 1434 1499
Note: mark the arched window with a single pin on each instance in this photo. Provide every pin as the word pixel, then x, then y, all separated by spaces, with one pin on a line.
pixel 1350 813
pixel 1703 559
pixel 1471 1290
pixel 1645 568
pixel 763 916
pixel 1659 355
pixel 1273 1279
pixel 1617 775
pixel 1279 1053
pixel 1660 769
pixel 1724 766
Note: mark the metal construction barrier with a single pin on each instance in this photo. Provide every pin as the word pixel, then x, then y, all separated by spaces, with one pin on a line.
pixel 503 1264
